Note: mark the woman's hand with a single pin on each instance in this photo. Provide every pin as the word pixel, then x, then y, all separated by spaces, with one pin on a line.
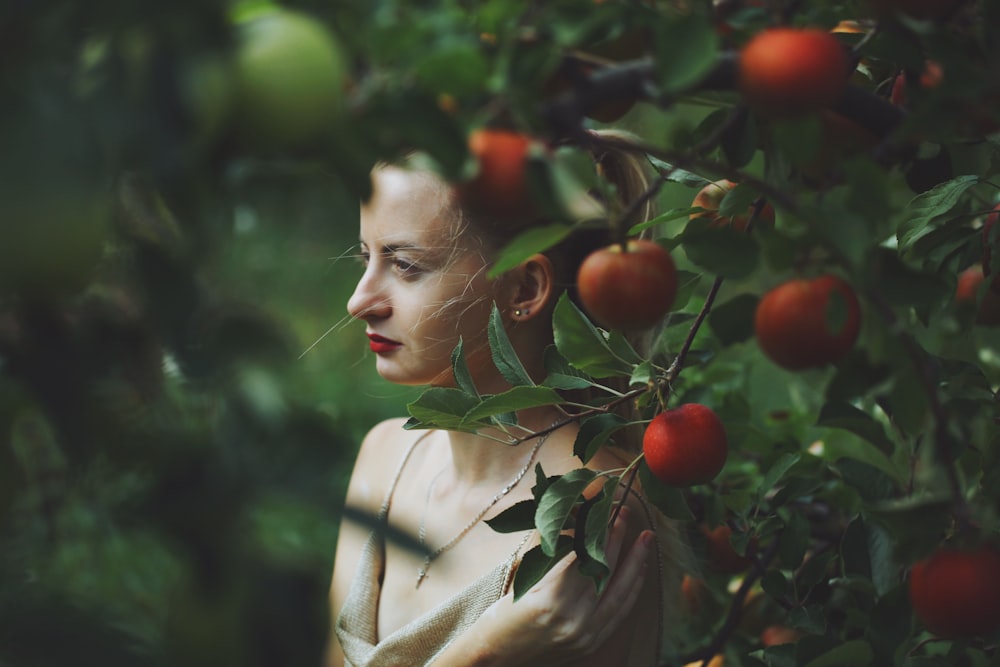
pixel 562 617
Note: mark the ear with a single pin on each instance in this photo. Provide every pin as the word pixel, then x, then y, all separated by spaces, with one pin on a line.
pixel 533 286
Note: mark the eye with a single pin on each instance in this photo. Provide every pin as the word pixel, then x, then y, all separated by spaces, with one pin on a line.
pixel 405 267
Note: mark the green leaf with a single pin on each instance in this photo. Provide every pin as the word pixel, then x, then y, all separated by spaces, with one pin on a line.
pixel 439 407
pixel 720 250
pixel 560 374
pixel 596 532
pixel 556 506
pixel 675 174
pixel 799 139
pixel 873 483
pixel 536 563
pixel 739 138
pixel 733 321
pixel 504 356
pixel 668 499
pixel 518 517
pixel 777 472
pixel 926 207
pixel 891 621
pixel 460 369
pixel 794 541
pixel 858 422
pixel 666 216
pixel 582 344
pixel 594 432
pixel 458 69
pixel 512 400
pixel 687 49
pixel 528 243
pixel 855 652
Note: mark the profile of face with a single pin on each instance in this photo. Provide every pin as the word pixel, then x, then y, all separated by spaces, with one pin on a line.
pixel 424 286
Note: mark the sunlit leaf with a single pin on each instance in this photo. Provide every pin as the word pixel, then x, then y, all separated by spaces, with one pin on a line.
pixel 512 400
pixel 442 407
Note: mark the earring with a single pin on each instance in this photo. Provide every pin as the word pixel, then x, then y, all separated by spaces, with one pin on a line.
pixel 518 312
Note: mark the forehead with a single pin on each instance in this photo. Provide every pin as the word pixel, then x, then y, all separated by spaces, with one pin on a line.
pixel 408 206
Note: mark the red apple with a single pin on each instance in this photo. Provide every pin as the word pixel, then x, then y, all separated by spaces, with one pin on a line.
pixel 710 198
pixel 686 446
pixel 793 322
pixel 787 71
pixel 499 186
pixel 628 288
pixel 956 592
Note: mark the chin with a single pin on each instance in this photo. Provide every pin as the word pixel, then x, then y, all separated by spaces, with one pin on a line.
pixel 391 372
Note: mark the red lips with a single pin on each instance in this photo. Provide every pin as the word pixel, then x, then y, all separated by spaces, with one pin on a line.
pixel 381 344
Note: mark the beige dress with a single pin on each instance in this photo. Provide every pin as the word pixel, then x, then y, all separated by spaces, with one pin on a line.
pixel 421 640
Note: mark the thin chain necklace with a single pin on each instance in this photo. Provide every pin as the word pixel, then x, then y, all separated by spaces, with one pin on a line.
pixel 421 532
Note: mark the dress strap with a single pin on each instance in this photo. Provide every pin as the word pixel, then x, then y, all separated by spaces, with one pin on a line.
pixel 383 512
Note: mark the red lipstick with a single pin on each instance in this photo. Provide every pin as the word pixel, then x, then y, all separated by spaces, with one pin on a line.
pixel 381 344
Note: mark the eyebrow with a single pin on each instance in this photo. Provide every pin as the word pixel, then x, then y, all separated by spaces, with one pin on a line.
pixel 429 253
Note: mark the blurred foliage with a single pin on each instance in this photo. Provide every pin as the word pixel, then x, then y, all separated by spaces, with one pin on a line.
pixel 181 395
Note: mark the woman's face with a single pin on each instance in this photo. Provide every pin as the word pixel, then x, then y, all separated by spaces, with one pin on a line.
pixel 422 288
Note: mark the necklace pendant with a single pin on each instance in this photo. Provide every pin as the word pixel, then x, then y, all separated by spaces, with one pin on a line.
pixel 422 571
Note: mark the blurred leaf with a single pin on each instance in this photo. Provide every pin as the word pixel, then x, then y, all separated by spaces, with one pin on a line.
pixel 528 243
pixel 458 68
pixel 739 139
pixel 793 541
pixel 687 50
pixel 891 622
pixel 856 652
pixel 722 251
pixel 733 321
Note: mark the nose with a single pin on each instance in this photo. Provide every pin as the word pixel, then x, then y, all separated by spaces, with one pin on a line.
pixel 368 300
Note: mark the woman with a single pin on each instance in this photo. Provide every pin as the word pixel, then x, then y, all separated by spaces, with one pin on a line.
pixel 424 288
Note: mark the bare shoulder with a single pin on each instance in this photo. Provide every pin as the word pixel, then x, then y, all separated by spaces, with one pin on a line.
pixel 383 446
pixel 379 456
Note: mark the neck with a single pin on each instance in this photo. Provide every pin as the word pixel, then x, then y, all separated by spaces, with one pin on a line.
pixel 489 458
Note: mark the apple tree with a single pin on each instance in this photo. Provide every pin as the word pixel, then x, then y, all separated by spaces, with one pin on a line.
pixel 826 371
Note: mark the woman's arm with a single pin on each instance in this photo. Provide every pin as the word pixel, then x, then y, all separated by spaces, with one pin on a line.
pixel 562 619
